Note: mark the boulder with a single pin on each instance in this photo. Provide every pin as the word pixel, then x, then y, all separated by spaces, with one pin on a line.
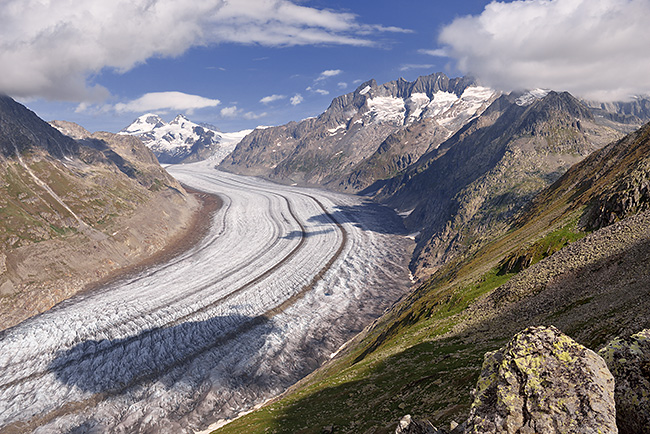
pixel 628 360
pixel 542 381
pixel 409 426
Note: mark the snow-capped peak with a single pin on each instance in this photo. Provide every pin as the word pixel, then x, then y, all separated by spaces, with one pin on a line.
pixel 531 96
pixel 143 124
pixel 181 120
pixel 181 138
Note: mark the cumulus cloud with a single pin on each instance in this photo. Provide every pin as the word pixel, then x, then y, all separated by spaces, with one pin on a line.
pixel 272 98
pixel 296 99
pixel 318 91
pixel 235 112
pixel 597 49
pixel 54 49
pixel 327 74
pixel 157 101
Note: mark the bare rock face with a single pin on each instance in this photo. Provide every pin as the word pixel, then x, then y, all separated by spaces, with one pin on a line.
pixel 542 381
pixel 629 361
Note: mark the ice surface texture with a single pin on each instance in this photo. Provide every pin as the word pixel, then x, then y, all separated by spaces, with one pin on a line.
pixel 284 277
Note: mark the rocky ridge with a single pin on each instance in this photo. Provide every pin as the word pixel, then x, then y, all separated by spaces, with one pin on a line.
pixel 464 192
pixel 351 144
pixel 74 211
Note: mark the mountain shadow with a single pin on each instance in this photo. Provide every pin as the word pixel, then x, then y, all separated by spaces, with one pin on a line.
pixel 112 366
pixel 367 216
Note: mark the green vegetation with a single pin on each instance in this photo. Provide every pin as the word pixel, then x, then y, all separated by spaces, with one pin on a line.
pixel 551 243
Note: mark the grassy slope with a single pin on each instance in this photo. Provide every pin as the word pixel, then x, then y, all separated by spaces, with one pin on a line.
pixel 424 356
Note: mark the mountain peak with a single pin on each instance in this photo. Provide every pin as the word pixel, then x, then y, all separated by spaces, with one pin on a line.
pixel 179 119
pixel 182 140
pixel 143 124
pixel 22 129
pixel 530 96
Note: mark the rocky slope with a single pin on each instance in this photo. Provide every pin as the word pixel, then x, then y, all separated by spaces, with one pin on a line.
pixel 74 211
pixel 464 192
pixel 369 134
pixel 424 356
pixel 182 140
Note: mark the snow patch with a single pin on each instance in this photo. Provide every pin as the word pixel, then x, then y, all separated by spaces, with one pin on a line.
pixel 531 96
pixel 441 102
pixel 334 131
pixel 416 103
pixel 365 90
pixel 413 236
pixel 387 109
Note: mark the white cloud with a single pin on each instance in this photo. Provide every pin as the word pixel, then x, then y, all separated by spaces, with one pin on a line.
pixel 54 48
pixel 597 49
pixel 230 112
pixel 411 66
pixel 342 85
pixel 235 112
pixel 157 101
pixel 252 116
pixel 438 52
pixel 318 91
pixel 296 99
pixel 272 98
pixel 327 74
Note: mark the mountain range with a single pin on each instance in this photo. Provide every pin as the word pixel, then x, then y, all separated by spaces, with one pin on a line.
pixel 527 208
pixel 454 157
pixel 181 140
pixel 371 133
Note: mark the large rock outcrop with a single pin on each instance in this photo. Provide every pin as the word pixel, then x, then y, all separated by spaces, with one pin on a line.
pixel 542 381
pixel 628 360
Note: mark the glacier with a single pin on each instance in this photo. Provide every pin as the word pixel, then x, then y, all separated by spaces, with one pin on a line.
pixel 284 277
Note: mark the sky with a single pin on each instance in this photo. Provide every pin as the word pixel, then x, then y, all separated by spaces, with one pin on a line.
pixel 237 64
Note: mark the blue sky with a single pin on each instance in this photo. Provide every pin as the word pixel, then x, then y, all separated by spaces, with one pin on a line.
pixel 101 64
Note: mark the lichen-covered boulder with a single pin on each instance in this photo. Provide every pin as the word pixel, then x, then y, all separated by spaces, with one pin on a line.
pixel 543 381
pixel 629 361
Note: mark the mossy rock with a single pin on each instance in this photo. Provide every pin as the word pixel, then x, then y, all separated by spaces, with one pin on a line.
pixel 543 381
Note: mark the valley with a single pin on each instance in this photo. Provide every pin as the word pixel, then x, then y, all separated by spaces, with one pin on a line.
pixel 308 217
pixel 283 278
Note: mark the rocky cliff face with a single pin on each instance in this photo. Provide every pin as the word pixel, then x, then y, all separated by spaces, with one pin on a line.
pixel 74 211
pixel 369 134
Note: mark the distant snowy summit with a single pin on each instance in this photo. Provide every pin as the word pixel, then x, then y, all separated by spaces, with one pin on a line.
pixel 183 141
